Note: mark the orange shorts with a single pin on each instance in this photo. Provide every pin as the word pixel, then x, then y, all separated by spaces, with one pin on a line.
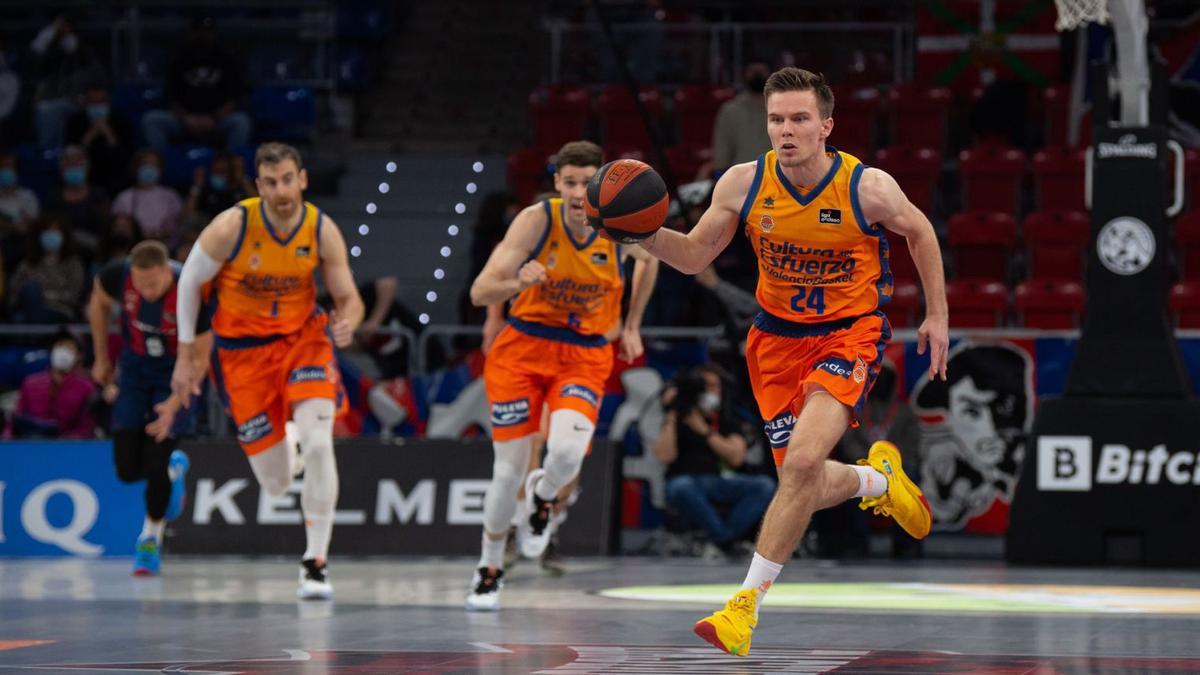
pixel 261 378
pixel 524 371
pixel 785 359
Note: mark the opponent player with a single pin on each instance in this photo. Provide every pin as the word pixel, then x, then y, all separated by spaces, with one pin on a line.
pixel 273 358
pixel 144 287
pixel 814 217
pixel 568 286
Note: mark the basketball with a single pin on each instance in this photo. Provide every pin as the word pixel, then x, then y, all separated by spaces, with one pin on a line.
pixel 626 200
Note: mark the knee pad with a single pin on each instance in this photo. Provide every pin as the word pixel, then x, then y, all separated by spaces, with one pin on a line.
pixel 570 434
pixel 314 426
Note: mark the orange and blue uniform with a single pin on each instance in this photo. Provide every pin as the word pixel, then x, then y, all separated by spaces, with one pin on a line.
pixel 554 349
pixel 823 277
pixel 272 347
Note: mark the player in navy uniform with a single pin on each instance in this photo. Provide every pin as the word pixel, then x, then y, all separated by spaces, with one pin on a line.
pixel 145 422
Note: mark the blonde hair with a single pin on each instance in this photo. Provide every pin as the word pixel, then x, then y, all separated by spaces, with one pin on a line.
pixel 149 254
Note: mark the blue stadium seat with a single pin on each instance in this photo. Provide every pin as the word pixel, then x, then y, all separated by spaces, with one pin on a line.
pixel 352 69
pixel 283 113
pixel 368 20
pixel 181 162
pixel 38 168
pixel 133 99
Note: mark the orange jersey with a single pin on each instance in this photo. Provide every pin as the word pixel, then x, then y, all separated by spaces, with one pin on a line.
pixel 584 283
pixel 818 258
pixel 266 286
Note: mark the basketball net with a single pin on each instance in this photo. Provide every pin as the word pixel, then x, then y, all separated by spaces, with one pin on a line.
pixel 1074 13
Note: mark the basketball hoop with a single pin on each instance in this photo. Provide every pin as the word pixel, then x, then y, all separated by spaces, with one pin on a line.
pixel 1074 13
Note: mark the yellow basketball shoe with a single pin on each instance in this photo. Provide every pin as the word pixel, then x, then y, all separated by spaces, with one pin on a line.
pixel 731 628
pixel 903 500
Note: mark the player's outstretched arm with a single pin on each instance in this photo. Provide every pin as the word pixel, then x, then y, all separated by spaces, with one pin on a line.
pixel 692 252
pixel 645 274
pixel 507 272
pixel 212 249
pixel 348 307
pixel 884 202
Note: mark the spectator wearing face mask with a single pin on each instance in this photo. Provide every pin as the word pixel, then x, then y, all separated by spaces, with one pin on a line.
pixel 156 208
pixel 83 206
pixel 219 187
pixel 18 205
pixel 703 446
pixel 106 135
pixel 119 237
pixel 66 67
pixel 56 403
pixel 47 286
pixel 740 133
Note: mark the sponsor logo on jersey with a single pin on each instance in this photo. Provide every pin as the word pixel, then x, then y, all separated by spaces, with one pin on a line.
pixel 832 216
pixel 302 251
pixel 308 374
pixel 860 370
pixel 254 428
pixel 779 429
pixel 580 391
pixel 600 258
pixel 835 366
pixel 510 413
pixel 768 202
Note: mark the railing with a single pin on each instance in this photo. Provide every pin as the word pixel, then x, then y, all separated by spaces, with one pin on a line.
pixel 863 52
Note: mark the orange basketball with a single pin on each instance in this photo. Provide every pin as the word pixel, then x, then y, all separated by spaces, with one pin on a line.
pixel 626 200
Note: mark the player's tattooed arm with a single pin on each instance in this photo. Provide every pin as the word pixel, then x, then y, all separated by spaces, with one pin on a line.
pixel 509 270
pixel 692 252
pixel 884 202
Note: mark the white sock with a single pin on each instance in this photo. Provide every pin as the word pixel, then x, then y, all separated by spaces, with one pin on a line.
pixel 760 576
pixel 153 527
pixel 318 530
pixel 871 483
pixel 492 552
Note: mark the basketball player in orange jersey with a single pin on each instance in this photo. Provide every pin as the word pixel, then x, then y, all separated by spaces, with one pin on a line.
pixel 567 282
pixel 816 219
pixel 273 359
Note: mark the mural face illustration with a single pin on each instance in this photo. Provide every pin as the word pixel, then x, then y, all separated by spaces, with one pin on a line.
pixel 973 430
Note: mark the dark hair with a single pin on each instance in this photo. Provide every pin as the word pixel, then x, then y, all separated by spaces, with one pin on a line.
pixel 799 79
pixel 690 384
pixel 997 368
pixel 579 153
pixel 64 334
pixel 274 153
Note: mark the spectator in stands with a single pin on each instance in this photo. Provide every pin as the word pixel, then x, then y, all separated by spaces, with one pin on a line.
pixel 106 135
pixel 740 134
pixel 203 86
pixel 703 446
pixel 120 235
pixel 219 187
pixel 83 207
pixel 156 208
pixel 66 68
pixel 56 402
pixel 47 286
pixel 18 205
pixel 10 92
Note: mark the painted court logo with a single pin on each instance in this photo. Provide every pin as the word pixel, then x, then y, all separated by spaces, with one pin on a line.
pixel 510 413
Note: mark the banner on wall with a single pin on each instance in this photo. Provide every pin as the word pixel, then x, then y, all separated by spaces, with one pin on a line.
pixel 417 497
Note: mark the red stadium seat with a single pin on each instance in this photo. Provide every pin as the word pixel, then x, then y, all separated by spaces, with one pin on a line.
pixel 983 242
pixel 991 177
pixel 696 107
pixel 904 311
pixel 686 161
pixel 1056 244
pixel 1191 177
pixel 977 303
pixel 623 125
pixel 527 168
pixel 855 115
pixel 559 115
pixel 1187 244
pixel 1058 177
pixel 920 115
pixel 1185 304
pixel 915 169
pixel 1056 102
pixel 1049 304
pixel 899 259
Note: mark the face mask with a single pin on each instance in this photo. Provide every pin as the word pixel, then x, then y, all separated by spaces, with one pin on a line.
pixel 709 401
pixel 8 178
pixel 147 174
pixel 74 176
pixel 51 240
pixel 217 183
pixel 62 359
pixel 97 111
pixel 756 84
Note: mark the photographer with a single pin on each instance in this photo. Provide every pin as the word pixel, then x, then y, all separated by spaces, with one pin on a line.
pixel 702 446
